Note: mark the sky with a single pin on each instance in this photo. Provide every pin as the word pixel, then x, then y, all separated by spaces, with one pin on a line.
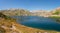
pixel 30 4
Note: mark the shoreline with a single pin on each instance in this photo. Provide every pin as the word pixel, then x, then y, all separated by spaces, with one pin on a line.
pixel 22 28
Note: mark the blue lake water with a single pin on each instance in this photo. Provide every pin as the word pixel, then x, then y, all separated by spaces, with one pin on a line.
pixel 38 22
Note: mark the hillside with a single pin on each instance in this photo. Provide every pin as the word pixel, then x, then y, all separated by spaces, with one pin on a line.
pixel 23 12
pixel 16 12
pixel 56 11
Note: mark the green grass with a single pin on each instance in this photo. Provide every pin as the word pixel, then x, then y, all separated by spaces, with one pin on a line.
pixel 54 17
pixel 57 18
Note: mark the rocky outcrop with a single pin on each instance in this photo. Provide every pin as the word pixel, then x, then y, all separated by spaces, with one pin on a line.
pixel 16 12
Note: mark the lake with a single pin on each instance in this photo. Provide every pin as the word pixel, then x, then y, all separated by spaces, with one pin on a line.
pixel 38 22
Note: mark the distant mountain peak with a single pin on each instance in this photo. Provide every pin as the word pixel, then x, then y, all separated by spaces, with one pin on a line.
pixel 38 11
pixel 14 9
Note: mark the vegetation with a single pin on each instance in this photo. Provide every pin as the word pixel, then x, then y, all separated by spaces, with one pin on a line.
pixel 4 16
pixel 57 12
pixel 57 18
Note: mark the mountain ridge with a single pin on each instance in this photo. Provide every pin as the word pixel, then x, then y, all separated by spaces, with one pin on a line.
pixel 23 12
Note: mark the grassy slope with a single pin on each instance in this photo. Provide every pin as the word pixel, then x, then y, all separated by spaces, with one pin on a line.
pixel 57 18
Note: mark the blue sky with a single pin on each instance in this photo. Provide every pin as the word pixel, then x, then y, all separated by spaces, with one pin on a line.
pixel 30 4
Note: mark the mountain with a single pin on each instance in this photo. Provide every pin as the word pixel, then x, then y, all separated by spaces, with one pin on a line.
pixel 16 12
pixel 45 13
pixel 41 13
pixel 24 12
